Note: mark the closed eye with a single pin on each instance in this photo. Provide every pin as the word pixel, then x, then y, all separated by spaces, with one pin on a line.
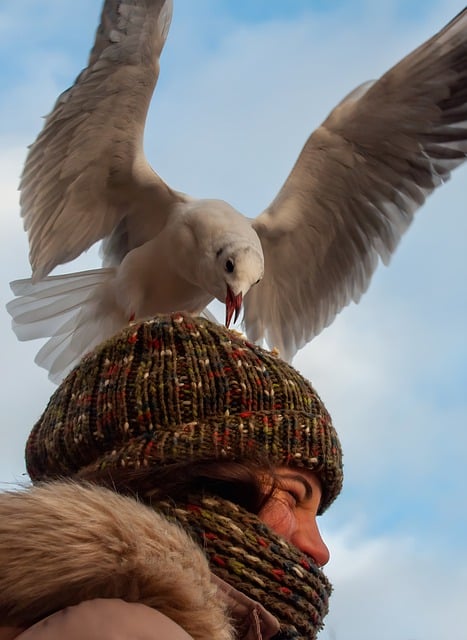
pixel 297 486
pixel 294 495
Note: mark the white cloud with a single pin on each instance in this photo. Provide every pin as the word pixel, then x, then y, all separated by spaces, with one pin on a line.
pixel 393 589
pixel 11 160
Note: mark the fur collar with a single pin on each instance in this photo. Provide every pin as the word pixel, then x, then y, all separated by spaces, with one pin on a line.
pixel 62 543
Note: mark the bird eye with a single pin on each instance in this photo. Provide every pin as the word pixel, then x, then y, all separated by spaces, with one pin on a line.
pixel 229 266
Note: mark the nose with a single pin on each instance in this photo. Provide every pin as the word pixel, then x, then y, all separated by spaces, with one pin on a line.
pixel 307 538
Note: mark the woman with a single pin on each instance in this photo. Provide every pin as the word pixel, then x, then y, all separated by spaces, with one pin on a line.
pixel 233 455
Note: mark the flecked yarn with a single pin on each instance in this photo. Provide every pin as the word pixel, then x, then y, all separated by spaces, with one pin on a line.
pixel 249 556
pixel 178 388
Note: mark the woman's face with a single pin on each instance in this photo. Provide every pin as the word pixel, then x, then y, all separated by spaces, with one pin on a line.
pixel 291 511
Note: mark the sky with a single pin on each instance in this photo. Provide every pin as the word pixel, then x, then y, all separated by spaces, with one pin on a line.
pixel 242 85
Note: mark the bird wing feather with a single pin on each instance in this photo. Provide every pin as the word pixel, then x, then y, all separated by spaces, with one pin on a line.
pixel 86 173
pixel 355 188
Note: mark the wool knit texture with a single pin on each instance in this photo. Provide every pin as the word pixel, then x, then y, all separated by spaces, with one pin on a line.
pixel 178 388
pixel 249 556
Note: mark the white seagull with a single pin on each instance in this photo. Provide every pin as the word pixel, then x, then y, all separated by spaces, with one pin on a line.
pixel 350 196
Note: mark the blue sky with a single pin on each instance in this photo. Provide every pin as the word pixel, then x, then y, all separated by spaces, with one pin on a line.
pixel 242 85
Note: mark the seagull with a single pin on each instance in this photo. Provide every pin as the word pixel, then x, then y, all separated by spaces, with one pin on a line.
pixel 350 196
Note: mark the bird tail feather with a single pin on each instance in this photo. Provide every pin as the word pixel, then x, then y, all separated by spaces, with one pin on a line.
pixel 75 311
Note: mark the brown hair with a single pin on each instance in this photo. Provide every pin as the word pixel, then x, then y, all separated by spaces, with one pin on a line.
pixel 239 482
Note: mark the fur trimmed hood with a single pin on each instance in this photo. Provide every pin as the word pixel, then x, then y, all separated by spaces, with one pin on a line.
pixel 62 543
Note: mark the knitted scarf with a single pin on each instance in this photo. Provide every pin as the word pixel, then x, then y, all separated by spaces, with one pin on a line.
pixel 250 557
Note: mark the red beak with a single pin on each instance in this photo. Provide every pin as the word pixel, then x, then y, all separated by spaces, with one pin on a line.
pixel 233 304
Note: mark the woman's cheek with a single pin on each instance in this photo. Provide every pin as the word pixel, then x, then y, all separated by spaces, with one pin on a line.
pixel 279 516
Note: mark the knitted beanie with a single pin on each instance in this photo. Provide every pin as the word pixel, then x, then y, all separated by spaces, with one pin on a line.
pixel 176 389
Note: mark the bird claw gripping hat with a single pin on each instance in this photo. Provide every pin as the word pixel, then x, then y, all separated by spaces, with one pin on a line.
pixel 176 389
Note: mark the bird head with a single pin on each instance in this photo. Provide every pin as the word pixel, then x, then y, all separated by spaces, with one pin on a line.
pixel 242 268
pixel 239 265
pixel 229 256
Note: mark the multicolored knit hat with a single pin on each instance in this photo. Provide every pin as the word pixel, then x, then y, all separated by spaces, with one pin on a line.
pixel 178 388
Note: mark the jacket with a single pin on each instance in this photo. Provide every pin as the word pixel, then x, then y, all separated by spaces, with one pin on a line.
pixel 82 562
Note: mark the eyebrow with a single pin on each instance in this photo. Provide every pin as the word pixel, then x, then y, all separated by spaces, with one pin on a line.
pixel 298 478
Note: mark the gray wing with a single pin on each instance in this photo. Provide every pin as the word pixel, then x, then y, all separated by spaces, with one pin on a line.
pixel 355 188
pixel 86 172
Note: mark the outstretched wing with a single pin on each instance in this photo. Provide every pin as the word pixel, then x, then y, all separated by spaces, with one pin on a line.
pixel 355 188
pixel 87 169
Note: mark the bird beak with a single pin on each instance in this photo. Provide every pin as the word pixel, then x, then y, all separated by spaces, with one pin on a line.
pixel 232 304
